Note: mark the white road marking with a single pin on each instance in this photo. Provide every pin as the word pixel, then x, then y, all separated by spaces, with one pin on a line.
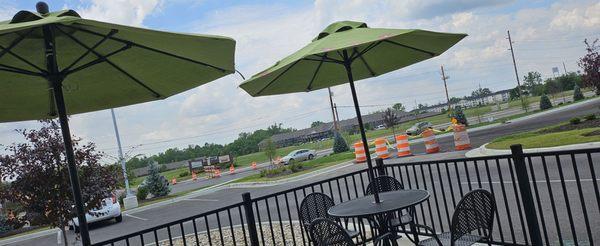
pixel 135 217
pixel 200 200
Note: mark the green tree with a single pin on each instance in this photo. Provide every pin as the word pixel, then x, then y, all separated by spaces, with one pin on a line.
pixel 532 79
pixel 545 102
pixel 390 119
pixel 339 143
pixel 316 123
pixel 459 115
pixel 590 63
pixel 270 149
pixel 156 184
pixel 481 92
pixel 577 95
pixel 399 107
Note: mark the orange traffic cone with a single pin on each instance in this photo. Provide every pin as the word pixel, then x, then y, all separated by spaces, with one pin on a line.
pixel 254 165
pixel 174 181
pixel 194 176
pixel 231 169
pixel 217 173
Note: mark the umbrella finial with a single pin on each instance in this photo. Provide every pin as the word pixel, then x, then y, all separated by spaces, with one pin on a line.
pixel 42 8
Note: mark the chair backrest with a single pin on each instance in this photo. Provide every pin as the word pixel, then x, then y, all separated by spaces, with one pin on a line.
pixel 475 211
pixel 384 184
pixel 328 232
pixel 314 206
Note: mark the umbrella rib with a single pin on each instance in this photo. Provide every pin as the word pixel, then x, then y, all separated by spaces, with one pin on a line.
pixel 327 59
pixel 112 64
pixel 281 74
pixel 410 47
pixel 362 58
pixel 308 88
pixel 12 69
pixel 14 43
pixel 24 60
pixel 97 61
pixel 87 52
pixel 149 48
pixel 371 46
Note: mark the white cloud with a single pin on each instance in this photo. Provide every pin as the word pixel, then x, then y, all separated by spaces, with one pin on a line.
pixel 126 12
pixel 544 36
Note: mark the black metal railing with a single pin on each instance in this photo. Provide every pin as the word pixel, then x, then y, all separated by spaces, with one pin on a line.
pixel 546 198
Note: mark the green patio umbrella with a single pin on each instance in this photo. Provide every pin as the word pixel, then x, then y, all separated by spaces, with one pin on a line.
pixel 54 64
pixel 347 51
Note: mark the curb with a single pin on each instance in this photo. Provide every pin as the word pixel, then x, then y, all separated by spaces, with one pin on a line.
pixel 30 236
pixel 483 151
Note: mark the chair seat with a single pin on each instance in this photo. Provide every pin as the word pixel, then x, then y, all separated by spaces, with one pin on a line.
pixel 403 220
pixel 465 240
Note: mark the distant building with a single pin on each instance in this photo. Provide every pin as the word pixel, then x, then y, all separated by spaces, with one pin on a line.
pixel 469 102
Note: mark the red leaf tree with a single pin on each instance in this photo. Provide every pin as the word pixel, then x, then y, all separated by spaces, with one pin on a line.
pixel 39 178
pixel 590 63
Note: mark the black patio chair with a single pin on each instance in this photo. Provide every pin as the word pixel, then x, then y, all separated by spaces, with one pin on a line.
pixel 394 220
pixel 315 206
pixel 474 212
pixel 326 232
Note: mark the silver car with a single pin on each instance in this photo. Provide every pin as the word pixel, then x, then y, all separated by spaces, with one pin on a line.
pixel 298 155
pixel 418 128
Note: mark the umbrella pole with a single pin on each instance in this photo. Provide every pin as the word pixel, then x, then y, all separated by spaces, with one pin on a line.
pixel 363 136
pixel 56 80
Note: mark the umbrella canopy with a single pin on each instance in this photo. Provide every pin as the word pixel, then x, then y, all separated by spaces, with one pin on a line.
pixel 101 65
pixel 54 64
pixel 373 51
pixel 347 51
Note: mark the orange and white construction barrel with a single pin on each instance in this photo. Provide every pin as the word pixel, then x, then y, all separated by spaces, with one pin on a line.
pixel 359 151
pixel 381 148
pixel 431 145
pixel 461 138
pixel 402 145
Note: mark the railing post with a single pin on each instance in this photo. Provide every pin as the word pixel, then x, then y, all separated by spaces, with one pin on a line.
pixel 526 196
pixel 379 166
pixel 250 219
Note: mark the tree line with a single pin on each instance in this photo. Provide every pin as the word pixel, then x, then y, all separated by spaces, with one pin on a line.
pixel 246 143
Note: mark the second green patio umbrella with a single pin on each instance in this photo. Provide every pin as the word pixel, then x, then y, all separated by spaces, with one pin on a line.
pixel 347 51
pixel 57 63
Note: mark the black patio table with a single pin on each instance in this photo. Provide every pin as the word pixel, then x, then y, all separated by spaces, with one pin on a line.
pixel 392 201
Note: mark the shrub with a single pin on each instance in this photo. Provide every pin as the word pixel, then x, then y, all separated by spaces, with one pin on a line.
pixel 270 172
pixel 184 174
pixel 339 144
pixel 459 115
pixel 121 197
pixel 163 168
pixel 575 121
pixel 577 95
pixel 5 226
pixel 142 192
pixel 590 117
pixel 545 102
pixel 296 167
pixel 157 184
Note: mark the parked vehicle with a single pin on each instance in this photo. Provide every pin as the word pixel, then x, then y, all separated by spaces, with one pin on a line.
pixel 109 209
pixel 379 127
pixel 418 128
pixel 298 155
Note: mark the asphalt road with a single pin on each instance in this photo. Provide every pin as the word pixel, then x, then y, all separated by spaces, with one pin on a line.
pixel 186 208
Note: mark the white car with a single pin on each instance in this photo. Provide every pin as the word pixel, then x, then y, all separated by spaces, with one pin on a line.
pixel 298 155
pixel 110 209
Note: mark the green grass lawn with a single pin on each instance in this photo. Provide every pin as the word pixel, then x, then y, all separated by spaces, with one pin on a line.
pixel 537 140
pixel 309 166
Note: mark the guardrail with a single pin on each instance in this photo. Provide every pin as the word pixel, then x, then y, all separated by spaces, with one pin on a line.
pixel 542 199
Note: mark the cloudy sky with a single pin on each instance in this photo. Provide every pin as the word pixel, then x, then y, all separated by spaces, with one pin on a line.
pixel 545 34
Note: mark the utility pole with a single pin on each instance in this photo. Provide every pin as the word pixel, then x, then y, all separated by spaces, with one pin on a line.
pixel 332 108
pixel 480 104
pixel 565 68
pixel 444 77
pixel 517 74
pixel 130 201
